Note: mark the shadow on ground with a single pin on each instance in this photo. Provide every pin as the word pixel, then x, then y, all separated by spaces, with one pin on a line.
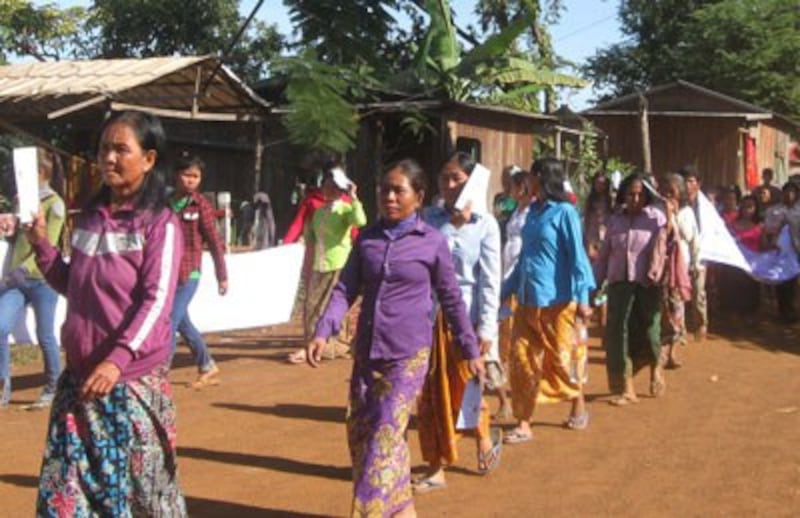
pixel 207 508
pixel 271 462
pixel 327 414
pixel 20 480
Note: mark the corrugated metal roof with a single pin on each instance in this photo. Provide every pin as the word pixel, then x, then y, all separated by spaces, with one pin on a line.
pixel 29 91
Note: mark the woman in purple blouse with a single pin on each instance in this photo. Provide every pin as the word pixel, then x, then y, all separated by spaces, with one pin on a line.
pixel 396 265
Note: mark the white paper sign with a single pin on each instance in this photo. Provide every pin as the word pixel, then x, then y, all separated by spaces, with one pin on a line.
pixel 26 175
pixel 475 190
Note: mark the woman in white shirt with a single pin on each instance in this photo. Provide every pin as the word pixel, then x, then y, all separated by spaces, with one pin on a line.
pixel 521 192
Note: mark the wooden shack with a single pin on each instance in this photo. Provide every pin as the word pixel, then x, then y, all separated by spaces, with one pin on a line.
pixel 729 140
pixel 205 108
pixel 495 136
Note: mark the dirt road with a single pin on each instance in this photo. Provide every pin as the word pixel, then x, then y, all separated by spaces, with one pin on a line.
pixel 270 441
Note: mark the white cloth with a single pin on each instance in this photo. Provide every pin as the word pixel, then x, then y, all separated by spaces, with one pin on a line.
pixel 717 245
pixel 513 246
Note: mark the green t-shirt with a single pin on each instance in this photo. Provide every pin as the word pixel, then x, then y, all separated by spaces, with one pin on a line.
pixel 55 213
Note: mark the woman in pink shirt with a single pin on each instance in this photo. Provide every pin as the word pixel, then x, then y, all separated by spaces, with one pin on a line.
pixel 631 260
pixel 111 440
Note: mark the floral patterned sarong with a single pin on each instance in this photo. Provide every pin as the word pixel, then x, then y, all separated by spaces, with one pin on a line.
pixel 113 456
pixel 382 396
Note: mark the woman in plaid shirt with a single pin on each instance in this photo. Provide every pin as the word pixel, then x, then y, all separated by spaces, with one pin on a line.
pixel 197 218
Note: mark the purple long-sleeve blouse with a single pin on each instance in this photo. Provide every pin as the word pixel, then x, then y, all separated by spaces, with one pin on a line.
pixel 398 274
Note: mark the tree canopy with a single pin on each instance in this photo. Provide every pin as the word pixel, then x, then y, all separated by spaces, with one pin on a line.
pixel 749 50
pixel 137 28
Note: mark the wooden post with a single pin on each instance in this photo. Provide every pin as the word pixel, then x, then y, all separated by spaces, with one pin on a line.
pixel 259 151
pixel 558 144
pixel 644 125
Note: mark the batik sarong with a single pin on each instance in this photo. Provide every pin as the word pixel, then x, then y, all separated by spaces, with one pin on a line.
pixel 673 321
pixel 113 456
pixel 440 402
pixel 382 396
pixel 543 358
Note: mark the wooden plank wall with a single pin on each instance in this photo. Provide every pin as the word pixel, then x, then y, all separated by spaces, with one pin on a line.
pixel 505 140
pixel 773 151
pixel 712 144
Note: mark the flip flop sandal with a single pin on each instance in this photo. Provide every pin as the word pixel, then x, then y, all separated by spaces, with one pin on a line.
pixel 673 364
pixel 297 357
pixel 517 437
pixel 577 422
pixel 624 400
pixel 489 461
pixel 426 485
pixel 658 387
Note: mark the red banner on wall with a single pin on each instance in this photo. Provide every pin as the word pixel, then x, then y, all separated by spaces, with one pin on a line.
pixel 750 163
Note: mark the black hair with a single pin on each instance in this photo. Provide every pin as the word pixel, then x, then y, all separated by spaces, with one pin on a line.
pixel 791 186
pixel 689 171
pixel 626 185
pixel 550 172
pixel 414 172
pixel 678 181
pixel 732 189
pixel 757 215
pixel 464 160
pixel 151 136
pixel 595 196
pixel 519 178
pixel 188 160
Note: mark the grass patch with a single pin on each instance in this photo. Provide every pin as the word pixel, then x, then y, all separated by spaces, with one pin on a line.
pixel 23 354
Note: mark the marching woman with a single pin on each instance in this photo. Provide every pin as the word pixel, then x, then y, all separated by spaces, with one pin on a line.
pixel 520 182
pixel 397 265
pixel 683 256
pixel 552 281
pixel 474 242
pixel 110 447
pixel 329 236
pixel 632 260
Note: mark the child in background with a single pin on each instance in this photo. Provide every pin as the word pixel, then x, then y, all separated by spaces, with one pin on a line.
pixel 197 219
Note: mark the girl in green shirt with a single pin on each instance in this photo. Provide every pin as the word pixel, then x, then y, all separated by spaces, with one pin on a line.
pixel 329 235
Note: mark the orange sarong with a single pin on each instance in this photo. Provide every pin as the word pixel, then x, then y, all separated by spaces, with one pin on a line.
pixel 441 399
pixel 545 365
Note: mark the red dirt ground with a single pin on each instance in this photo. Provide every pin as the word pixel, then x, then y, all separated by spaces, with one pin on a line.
pixel 270 440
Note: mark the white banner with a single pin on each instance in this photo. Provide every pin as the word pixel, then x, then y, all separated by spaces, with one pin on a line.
pixel 718 245
pixel 262 289
pixel 262 286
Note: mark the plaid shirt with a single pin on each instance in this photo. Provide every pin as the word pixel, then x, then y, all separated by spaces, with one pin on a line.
pixel 198 224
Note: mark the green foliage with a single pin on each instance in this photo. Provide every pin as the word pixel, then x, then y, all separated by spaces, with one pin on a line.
pixel 617 164
pixel 43 32
pixel 320 117
pixel 137 28
pixel 749 50
pixel 347 32
pixel 142 28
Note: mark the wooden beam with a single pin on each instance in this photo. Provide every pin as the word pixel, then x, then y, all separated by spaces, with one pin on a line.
pixel 188 115
pixel 76 107
pixel 737 115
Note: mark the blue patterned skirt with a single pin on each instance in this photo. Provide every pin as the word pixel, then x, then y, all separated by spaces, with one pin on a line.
pixel 112 456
